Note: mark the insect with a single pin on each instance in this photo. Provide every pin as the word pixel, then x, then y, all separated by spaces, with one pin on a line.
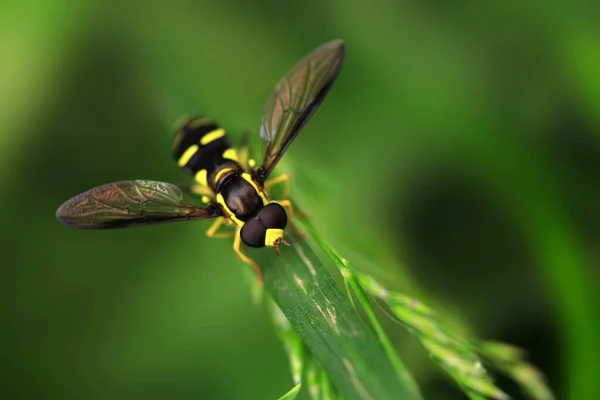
pixel 233 189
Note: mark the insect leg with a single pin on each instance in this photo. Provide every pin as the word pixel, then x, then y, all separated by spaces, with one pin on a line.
pixel 212 231
pixel 201 190
pixel 285 178
pixel 290 209
pixel 245 155
pixel 288 205
pixel 197 190
pixel 237 243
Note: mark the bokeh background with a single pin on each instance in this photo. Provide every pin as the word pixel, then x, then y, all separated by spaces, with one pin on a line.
pixel 457 158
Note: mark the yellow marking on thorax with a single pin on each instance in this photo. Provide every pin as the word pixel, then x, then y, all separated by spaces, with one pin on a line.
pixel 231 154
pixel 221 173
pixel 252 163
pixel 272 236
pixel 212 135
pixel 201 177
pixel 228 212
pixel 187 155
pixel 249 179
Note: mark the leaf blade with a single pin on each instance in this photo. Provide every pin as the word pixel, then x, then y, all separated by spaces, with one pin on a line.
pixel 291 395
pixel 330 327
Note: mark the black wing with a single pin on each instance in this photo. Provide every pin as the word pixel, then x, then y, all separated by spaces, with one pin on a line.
pixel 130 203
pixel 295 98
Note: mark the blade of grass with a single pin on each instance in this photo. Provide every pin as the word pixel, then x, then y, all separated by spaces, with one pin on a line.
pixel 291 341
pixel 454 355
pixel 351 282
pixel 291 395
pixel 457 355
pixel 330 327
pixel 318 383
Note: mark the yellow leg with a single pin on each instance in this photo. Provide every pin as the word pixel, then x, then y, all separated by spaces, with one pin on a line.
pixel 285 178
pixel 237 244
pixel 212 231
pixel 244 152
pixel 290 209
pixel 281 178
pixel 287 204
pixel 244 157
pixel 201 190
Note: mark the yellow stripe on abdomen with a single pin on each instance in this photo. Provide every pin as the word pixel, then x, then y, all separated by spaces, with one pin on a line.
pixel 211 136
pixel 187 155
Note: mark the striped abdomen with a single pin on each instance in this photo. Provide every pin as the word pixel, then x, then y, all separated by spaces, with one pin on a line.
pixel 203 150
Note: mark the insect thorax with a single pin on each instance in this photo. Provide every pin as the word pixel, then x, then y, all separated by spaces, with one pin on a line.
pixel 241 197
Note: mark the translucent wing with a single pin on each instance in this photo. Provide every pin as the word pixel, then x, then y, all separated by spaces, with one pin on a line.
pixel 130 203
pixel 295 98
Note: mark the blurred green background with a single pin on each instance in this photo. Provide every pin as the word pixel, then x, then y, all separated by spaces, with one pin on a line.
pixel 456 158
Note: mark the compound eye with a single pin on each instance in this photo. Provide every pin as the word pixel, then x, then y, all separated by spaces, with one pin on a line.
pixel 273 216
pixel 253 233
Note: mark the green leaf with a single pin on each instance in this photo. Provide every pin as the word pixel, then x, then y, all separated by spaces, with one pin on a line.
pixel 291 341
pixel 317 382
pixel 453 354
pixel 347 350
pixel 351 282
pixel 291 395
